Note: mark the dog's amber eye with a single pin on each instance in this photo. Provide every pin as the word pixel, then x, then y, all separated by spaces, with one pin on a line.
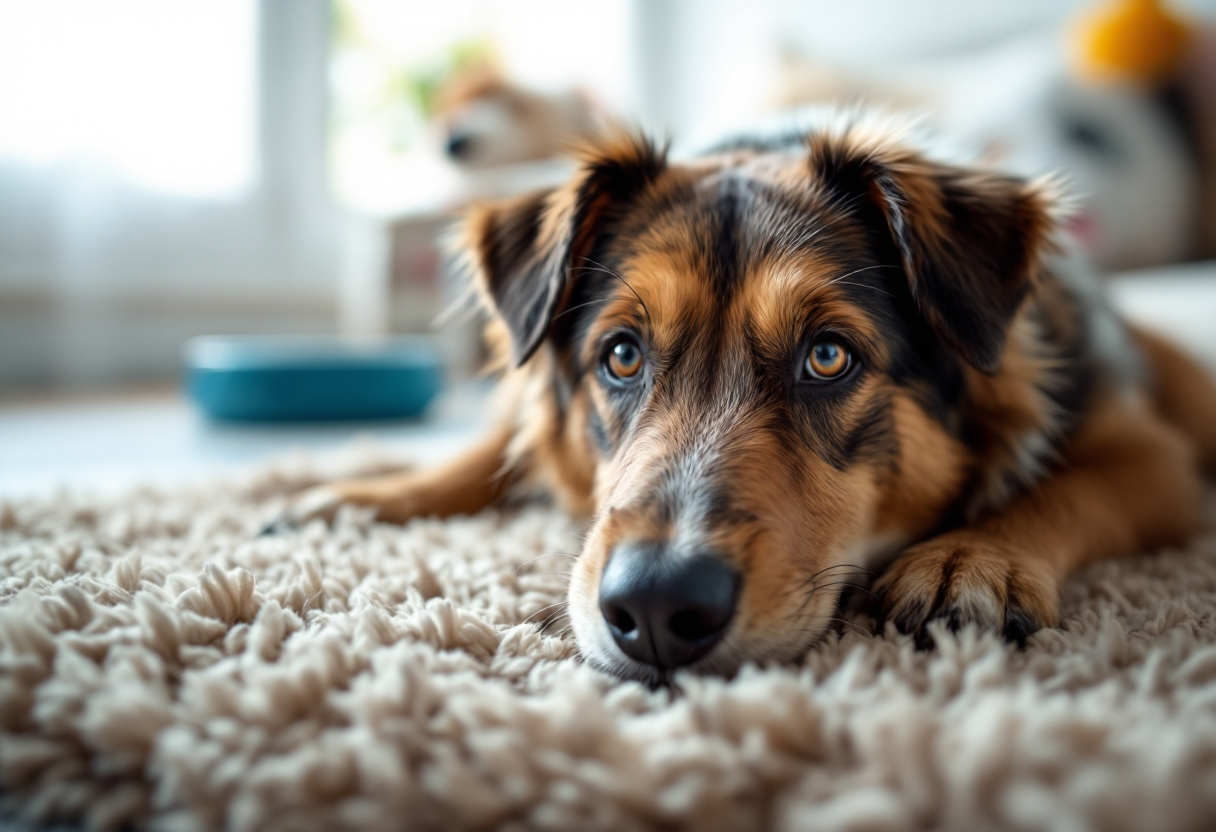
pixel 624 359
pixel 827 360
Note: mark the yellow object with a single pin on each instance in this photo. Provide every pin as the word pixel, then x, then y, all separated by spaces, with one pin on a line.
pixel 1131 40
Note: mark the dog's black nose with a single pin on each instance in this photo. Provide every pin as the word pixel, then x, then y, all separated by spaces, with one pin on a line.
pixel 459 145
pixel 666 610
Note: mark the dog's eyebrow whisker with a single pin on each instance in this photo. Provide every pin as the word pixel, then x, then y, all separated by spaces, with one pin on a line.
pixel 611 273
pixel 859 271
pixel 805 238
pixel 580 306
pixel 607 270
pixel 862 286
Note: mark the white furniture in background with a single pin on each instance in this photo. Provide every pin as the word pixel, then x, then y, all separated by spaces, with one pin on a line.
pixel 1178 301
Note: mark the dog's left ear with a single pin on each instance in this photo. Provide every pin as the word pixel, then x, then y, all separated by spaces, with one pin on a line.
pixel 525 250
pixel 971 241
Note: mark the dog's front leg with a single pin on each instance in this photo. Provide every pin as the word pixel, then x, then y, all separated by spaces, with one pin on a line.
pixel 469 483
pixel 1127 482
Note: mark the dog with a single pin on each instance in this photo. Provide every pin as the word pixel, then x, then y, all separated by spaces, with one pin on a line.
pixel 786 364
pixel 487 122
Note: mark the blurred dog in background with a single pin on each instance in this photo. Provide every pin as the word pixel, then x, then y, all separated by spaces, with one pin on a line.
pixel 486 121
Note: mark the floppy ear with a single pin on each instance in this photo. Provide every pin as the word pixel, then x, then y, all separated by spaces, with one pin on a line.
pixel 971 242
pixel 524 250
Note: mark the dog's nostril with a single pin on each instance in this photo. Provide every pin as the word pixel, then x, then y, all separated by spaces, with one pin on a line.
pixel 459 145
pixel 620 620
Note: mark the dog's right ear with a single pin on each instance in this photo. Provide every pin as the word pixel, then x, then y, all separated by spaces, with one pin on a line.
pixel 524 250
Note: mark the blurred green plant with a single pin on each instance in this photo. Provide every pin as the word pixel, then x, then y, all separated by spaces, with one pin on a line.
pixel 423 83
pixel 416 79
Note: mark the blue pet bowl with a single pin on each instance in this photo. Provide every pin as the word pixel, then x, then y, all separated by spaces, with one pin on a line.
pixel 286 378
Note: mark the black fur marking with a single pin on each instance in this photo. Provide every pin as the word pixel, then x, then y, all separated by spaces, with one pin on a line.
pixel 595 427
pixel 725 249
pixel 516 273
pixel 873 437
pixel 723 513
pixel 1019 625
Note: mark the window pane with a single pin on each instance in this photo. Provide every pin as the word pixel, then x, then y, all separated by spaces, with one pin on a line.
pixel 158 92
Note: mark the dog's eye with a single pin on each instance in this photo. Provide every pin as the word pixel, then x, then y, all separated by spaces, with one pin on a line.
pixel 827 360
pixel 624 359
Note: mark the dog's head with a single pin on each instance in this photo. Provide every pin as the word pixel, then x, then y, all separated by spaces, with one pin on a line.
pixel 486 122
pixel 750 367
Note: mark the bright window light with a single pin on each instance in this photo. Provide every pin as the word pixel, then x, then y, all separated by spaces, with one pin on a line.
pixel 160 93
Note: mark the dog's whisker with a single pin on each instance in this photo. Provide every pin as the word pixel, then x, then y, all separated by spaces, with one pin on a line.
pixel 545 555
pixel 645 309
pixel 859 271
pixel 861 286
pixel 861 630
pixel 581 306
pixel 842 566
pixel 850 585
pixel 551 618
pixel 845 567
pixel 816 587
pixel 542 609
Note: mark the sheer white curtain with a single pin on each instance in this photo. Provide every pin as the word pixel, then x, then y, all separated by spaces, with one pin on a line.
pixel 162 173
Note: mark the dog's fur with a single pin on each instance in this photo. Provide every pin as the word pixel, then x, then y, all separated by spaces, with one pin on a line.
pixel 486 121
pixel 1000 428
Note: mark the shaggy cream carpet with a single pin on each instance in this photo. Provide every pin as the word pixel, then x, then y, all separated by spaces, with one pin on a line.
pixel 161 667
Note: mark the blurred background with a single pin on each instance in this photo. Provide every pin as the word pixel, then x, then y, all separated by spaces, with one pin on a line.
pixel 176 168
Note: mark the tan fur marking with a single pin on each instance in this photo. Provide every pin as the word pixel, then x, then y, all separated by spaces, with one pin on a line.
pixel 467 484
pixel 1128 484
pixel 932 468
pixel 1183 392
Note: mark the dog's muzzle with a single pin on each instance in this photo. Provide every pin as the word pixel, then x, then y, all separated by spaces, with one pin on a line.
pixel 666 610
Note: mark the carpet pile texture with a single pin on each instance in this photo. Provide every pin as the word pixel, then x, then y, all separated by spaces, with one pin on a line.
pixel 162 667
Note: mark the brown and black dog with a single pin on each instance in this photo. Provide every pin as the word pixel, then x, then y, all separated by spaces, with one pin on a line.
pixel 760 370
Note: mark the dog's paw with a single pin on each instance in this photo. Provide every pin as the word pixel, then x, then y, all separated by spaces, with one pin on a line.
pixel 319 503
pixel 963 578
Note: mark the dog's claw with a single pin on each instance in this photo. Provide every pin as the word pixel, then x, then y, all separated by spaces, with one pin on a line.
pixel 317 503
pixel 277 526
